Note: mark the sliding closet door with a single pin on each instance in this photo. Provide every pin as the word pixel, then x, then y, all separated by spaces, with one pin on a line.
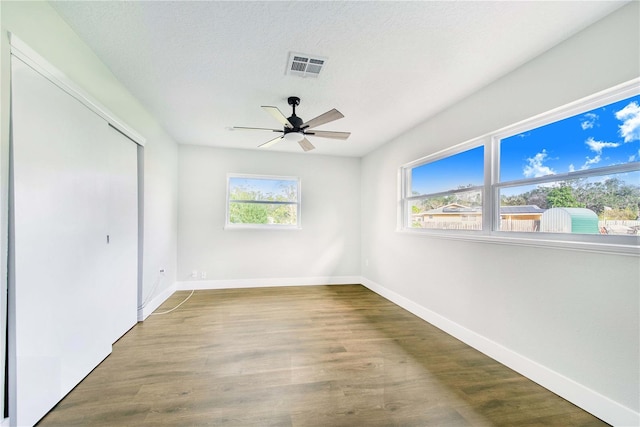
pixel 120 266
pixel 75 234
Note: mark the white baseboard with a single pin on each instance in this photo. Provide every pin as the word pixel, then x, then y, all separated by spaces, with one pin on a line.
pixel 267 282
pixel 585 398
pixel 152 305
pixel 156 302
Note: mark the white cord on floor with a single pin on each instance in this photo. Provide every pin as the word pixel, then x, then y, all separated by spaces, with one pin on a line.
pixel 169 311
pixel 153 289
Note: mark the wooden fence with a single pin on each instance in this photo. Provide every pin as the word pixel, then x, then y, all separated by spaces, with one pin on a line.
pixel 619 227
pixel 521 225
pixel 451 225
pixel 530 225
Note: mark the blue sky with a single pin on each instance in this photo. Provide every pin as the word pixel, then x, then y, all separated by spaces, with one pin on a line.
pixel 604 136
pixel 266 186
pixel 449 173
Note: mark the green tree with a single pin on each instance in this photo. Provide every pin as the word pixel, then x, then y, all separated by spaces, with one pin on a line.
pixel 620 214
pixel 282 214
pixel 537 197
pixel 515 200
pixel 562 197
pixel 263 213
pixel 612 192
pixel 623 198
pixel 248 213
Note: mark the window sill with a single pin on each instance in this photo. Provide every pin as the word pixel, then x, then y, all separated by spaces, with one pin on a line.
pixel 632 248
pixel 257 227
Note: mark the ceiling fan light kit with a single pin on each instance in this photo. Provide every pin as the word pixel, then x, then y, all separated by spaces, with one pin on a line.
pixel 295 129
pixel 294 136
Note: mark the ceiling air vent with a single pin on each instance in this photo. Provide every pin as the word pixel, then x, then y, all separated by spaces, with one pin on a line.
pixel 304 65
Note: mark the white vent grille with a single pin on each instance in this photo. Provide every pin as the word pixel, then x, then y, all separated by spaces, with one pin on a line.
pixel 304 65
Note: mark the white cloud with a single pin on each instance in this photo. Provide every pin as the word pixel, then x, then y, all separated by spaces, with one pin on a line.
pixel 536 166
pixel 572 168
pixel 630 117
pixel 597 146
pixel 634 157
pixel 590 162
pixel 589 121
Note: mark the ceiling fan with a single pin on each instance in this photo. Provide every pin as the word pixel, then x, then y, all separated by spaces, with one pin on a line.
pixel 295 129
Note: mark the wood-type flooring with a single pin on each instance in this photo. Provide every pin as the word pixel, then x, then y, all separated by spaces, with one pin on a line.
pixel 302 356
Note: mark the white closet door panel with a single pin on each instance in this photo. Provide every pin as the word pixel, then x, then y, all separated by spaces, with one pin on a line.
pixel 62 324
pixel 122 209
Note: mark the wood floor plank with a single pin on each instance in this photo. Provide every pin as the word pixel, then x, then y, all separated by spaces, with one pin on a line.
pixel 302 356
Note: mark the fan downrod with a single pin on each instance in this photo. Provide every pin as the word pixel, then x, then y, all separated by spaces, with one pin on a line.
pixel 295 121
pixel 293 101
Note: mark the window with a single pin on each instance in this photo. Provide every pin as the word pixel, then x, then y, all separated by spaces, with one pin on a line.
pixel 263 201
pixel 576 175
pixel 445 193
pixel 571 175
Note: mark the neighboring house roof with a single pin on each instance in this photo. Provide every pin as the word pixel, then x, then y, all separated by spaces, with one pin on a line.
pixel 456 208
pixel 522 209
pixel 452 208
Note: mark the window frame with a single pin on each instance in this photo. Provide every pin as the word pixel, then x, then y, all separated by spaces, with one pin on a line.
pixel 405 186
pixel 621 244
pixel 251 226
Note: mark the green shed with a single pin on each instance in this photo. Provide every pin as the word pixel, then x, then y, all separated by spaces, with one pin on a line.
pixel 569 220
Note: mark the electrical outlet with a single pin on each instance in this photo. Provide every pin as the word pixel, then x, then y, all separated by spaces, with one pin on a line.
pixel 194 274
pixel 203 275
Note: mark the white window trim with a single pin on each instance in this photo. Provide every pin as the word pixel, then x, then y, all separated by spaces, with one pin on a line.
pixel 267 227
pixel 622 245
pixel 404 185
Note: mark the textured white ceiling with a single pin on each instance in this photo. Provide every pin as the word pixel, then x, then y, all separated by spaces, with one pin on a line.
pixel 203 67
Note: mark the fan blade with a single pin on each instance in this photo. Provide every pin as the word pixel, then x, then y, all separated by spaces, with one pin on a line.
pixel 327 117
pixel 306 145
pixel 270 143
pixel 247 128
pixel 277 114
pixel 329 134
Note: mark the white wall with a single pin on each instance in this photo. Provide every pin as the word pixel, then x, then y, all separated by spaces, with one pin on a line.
pixel 38 25
pixel 574 313
pixel 328 245
pixel 568 312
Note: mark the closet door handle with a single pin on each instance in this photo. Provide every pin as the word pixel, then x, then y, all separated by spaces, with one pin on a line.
pixel 107 239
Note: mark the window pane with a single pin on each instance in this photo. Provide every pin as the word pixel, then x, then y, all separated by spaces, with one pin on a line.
pixel 461 170
pixel 263 213
pixel 263 189
pixel 605 136
pixel 257 200
pixel 460 211
pixel 595 205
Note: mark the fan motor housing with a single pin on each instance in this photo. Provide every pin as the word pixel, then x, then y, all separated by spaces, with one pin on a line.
pixel 296 122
